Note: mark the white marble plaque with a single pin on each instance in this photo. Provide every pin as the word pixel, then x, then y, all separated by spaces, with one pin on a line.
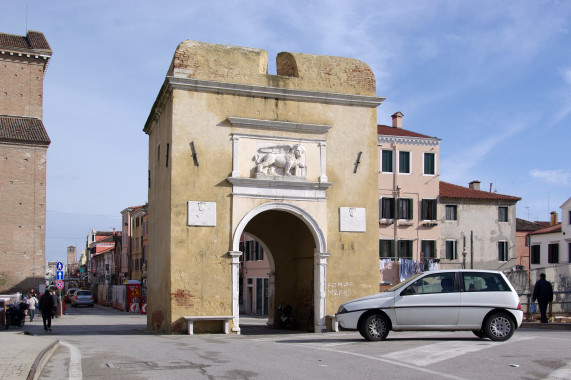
pixel 202 213
pixel 352 219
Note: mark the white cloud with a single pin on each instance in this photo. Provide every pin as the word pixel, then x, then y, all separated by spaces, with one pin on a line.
pixel 554 177
pixel 566 74
pixel 462 161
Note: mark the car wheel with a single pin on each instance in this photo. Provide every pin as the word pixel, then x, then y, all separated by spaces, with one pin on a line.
pixel 499 327
pixel 479 333
pixel 23 322
pixel 375 327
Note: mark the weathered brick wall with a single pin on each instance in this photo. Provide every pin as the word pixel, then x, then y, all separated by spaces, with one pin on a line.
pixel 21 85
pixel 23 216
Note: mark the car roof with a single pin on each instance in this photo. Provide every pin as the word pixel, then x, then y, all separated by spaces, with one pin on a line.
pixel 463 271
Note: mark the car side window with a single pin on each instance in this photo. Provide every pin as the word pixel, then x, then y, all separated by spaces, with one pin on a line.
pixel 484 282
pixel 433 283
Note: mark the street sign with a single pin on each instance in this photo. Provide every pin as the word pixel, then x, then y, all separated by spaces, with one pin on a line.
pixel 59 265
pixel 59 284
pixel 59 275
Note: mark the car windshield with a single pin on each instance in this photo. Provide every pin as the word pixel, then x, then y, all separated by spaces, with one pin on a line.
pixel 405 282
pixel 83 293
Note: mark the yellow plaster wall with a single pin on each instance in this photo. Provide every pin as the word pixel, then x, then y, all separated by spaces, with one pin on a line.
pixel 159 259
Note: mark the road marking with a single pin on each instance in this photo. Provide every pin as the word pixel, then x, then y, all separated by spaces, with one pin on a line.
pixel 434 353
pixel 74 361
pixel 392 362
pixel 562 373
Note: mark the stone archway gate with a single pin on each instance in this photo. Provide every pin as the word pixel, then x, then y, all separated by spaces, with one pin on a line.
pixel 228 141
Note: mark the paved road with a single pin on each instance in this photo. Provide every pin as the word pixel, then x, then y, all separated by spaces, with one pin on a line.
pixel 102 343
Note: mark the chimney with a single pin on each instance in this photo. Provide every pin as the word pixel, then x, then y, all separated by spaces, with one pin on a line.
pixel 475 185
pixel 397 119
pixel 553 218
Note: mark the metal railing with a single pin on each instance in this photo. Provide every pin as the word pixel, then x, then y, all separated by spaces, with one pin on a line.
pixel 560 304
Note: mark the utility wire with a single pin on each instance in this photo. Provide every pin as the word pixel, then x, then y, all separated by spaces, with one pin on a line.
pixel 76 213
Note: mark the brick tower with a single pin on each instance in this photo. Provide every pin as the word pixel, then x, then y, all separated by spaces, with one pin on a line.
pixel 23 147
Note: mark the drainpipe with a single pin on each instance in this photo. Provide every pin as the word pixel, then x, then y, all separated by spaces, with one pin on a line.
pixel 396 194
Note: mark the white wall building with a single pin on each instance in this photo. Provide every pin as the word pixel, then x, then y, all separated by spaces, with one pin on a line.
pixel 481 223
pixel 551 246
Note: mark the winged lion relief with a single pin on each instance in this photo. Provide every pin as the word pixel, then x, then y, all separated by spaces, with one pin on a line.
pixel 280 160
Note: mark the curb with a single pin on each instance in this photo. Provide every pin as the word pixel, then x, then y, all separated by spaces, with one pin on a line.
pixel 41 361
pixel 546 326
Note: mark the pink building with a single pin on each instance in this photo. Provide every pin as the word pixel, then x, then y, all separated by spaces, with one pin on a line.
pixel 254 277
pixel 408 192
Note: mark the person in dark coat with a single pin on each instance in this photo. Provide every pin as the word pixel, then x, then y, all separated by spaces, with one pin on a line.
pixel 46 306
pixel 543 293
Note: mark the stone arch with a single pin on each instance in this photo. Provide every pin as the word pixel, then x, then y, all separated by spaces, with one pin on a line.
pixel 319 265
pixel 316 231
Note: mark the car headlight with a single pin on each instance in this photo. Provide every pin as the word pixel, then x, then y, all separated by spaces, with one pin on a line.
pixel 341 310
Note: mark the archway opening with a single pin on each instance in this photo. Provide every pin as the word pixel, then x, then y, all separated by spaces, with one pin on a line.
pixel 290 246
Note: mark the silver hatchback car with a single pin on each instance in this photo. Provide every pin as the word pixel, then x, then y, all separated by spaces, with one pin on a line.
pixel 82 298
pixel 481 301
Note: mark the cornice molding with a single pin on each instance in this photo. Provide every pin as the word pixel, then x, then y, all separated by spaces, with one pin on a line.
pixel 409 140
pixel 274 92
pixel 275 189
pixel 26 54
pixel 279 125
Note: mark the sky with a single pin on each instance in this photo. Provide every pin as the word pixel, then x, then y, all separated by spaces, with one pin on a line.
pixel 492 79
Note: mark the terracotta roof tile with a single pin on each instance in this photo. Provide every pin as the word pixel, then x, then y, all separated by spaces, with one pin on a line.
pixel 32 41
pixel 526 225
pixel 23 129
pixel 104 251
pixel 108 239
pixel 548 230
pixel 385 130
pixel 448 190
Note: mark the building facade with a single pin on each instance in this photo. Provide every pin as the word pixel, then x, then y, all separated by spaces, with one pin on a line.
pixel 550 253
pixel 477 228
pixel 23 147
pixel 127 239
pixel 289 158
pixel 137 249
pixel 551 246
pixel 101 250
pixel 408 193
pixel 254 277
pixel 145 247
pixel 522 230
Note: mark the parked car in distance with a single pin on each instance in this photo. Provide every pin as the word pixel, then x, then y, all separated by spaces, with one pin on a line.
pixel 480 301
pixel 82 298
pixel 69 294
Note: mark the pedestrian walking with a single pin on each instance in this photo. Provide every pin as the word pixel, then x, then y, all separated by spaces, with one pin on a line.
pixel 543 293
pixel 32 302
pixel 57 305
pixel 47 308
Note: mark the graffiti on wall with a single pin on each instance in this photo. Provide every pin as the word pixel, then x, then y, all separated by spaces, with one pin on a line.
pixel 339 289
